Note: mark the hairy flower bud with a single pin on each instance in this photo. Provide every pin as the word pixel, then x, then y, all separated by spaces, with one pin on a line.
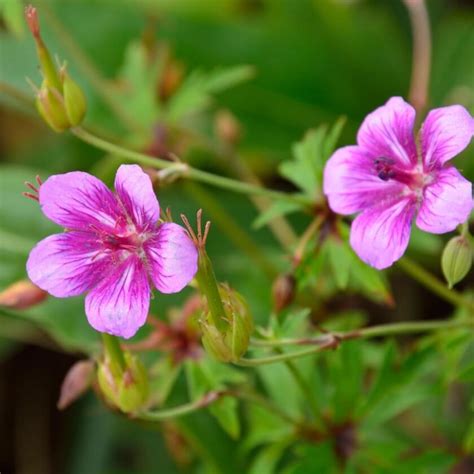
pixel 74 99
pixel 456 260
pixel 229 344
pixel 50 106
pixel 126 388
pixel 227 127
pixel 283 291
pixel 21 295
pixel 77 381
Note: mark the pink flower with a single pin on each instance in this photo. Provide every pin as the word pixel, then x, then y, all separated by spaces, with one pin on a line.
pixel 113 248
pixel 389 179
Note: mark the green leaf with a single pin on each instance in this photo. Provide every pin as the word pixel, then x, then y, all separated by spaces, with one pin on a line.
pixel 197 89
pixel 385 378
pixel 138 84
pixel 266 461
pixel 340 259
pixel 206 375
pixel 12 13
pixel 310 155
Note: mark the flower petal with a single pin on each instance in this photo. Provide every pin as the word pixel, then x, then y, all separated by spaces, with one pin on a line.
pixel 173 258
pixel 445 133
pixel 380 235
pixel 78 200
pixel 447 202
pixel 135 192
pixel 352 184
pixel 67 264
pixel 119 304
pixel 388 132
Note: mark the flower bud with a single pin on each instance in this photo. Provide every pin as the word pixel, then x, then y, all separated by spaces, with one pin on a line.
pixel 50 106
pixel 227 127
pixel 77 381
pixel 456 260
pixel 283 291
pixel 21 295
pixel 125 388
pixel 231 343
pixel 74 99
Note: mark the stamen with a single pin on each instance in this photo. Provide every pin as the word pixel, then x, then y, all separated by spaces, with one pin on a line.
pixel 31 196
pixel 198 238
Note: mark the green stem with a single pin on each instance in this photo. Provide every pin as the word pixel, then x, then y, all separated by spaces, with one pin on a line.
pixel 181 410
pixel 191 173
pixel 114 353
pixel 374 331
pixel 433 284
pixel 231 228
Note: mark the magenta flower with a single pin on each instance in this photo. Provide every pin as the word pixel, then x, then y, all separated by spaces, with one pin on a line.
pixel 389 179
pixel 113 248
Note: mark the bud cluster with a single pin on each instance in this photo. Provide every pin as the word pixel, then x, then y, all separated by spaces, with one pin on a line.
pixel 59 100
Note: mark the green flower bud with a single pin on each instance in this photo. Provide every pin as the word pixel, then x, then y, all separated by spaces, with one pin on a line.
pixel 74 99
pixel 125 388
pixel 456 260
pixel 51 108
pixel 231 343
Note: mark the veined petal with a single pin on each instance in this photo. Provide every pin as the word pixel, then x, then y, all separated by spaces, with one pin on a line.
pixel 351 183
pixel 444 134
pixel 119 304
pixel 447 202
pixel 78 201
pixel 135 191
pixel 173 257
pixel 380 235
pixel 67 264
pixel 388 132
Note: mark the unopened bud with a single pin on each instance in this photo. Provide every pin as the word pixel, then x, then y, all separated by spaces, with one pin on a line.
pixel 126 389
pixel 171 79
pixel 231 343
pixel 456 260
pixel 227 127
pixel 50 106
pixel 74 99
pixel 77 381
pixel 21 295
pixel 283 291
pixel 48 68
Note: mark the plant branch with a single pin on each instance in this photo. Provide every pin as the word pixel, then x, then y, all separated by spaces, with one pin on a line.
pixel 421 61
pixel 332 341
pixel 429 281
pixel 181 410
pixel 191 173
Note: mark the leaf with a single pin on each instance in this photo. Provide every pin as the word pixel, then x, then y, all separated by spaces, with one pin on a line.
pixel 310 155
pixel 12 13
pixel 206 375
pixel 139 78
pixel 266 461
pixel 197 89
pixel 340 260
pixel 277 209
pixel 385 378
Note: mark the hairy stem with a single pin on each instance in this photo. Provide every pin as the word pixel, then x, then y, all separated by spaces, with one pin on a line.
pixel 421 61
pixel 191 173
pixel 429 281
pixel 332 341
pixel 114 353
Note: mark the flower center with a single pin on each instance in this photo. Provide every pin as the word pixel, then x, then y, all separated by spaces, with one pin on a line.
pixel 387 169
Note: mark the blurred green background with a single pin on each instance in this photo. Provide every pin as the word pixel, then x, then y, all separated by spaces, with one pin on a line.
pixel 313 61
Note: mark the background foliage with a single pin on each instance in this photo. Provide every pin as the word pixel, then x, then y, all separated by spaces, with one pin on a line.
pixel 282 67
